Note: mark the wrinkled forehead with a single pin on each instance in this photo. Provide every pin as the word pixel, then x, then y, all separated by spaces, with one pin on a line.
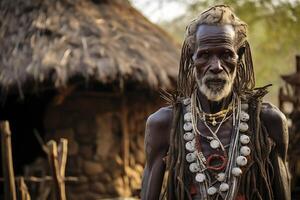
pixel 207 34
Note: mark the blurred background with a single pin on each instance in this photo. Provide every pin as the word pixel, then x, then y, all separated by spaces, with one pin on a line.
pixel 91 71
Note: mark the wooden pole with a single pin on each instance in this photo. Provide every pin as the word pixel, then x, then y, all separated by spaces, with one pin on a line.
pixel 126 145
pixel 298 63
pixel 280 99
pixel 35 179
pixel 297 87
pixel 59 185
pixel 62 156
pixel 24 194
pixel 125 134
pixel 7 162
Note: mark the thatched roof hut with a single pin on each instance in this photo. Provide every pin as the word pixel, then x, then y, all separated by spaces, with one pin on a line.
pixel 54 42
pixel 289 104
pixel 89 71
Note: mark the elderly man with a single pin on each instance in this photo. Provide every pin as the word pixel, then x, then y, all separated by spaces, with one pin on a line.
pixel 217 140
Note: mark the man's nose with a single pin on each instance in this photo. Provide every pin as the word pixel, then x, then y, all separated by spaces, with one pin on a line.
pixel 215 66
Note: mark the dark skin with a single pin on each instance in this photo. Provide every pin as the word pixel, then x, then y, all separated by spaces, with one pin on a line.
pixel 215 53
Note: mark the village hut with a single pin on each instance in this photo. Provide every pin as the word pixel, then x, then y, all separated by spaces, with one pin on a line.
pixel 89 71
pixel 289 103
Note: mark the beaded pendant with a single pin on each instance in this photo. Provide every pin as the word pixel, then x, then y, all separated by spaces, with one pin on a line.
pixel 214 144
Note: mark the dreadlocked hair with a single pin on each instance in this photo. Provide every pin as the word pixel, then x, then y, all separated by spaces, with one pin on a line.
pixel 178 178
pixel 216 15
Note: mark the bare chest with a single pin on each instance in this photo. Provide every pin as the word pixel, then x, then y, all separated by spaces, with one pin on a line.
pixel 224 134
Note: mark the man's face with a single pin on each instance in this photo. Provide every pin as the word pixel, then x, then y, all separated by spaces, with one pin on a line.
pixel 215 60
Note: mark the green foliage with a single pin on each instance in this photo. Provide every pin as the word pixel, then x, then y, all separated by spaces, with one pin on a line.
pixel 274 34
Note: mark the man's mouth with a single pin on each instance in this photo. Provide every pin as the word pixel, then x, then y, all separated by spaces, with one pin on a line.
pixel 215 82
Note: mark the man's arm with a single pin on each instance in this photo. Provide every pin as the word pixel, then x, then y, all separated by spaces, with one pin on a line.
pixel 276 125
pixel 156 146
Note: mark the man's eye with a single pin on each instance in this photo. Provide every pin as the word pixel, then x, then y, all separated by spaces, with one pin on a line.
pixel 227 56
pixel 203 55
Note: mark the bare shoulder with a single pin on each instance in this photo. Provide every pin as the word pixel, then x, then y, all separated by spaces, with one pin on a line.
pixel 161 118
pixel 271 114
pixel 276 124
pixel 157 132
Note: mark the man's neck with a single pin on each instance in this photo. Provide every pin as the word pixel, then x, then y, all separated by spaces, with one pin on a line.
pixel 209 106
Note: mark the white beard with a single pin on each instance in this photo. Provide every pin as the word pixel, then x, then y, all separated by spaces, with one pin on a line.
pixel 216 94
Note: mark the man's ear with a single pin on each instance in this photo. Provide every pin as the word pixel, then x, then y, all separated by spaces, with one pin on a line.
pixel 241 52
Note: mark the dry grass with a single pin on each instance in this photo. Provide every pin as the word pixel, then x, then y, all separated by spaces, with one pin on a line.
pixel 107 42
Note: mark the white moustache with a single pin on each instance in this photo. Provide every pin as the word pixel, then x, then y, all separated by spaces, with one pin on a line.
pixel 221 76
pixel 216 94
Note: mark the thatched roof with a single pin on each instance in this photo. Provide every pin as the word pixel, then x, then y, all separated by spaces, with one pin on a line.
pixel 104 41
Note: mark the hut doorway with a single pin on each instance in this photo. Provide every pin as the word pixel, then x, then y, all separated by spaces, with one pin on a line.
pixel 25 118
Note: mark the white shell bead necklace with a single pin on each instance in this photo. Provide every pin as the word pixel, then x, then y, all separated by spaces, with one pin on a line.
pixel 197 160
